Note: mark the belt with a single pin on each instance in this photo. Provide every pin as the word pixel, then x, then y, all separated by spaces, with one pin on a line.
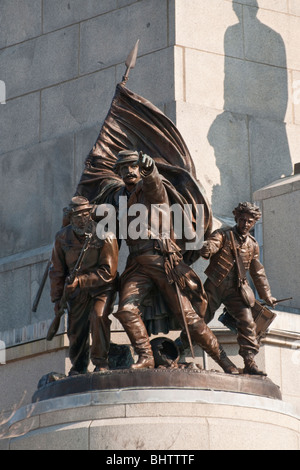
pixel 143 247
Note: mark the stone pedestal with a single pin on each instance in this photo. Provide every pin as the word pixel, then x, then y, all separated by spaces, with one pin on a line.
pixel 277 234
pixel 180 410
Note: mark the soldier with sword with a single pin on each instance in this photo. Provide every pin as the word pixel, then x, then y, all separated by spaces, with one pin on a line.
pixel 158 262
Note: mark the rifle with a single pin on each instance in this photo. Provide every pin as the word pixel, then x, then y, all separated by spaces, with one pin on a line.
pixel 45 275
pixel 63 303
pixel 41 288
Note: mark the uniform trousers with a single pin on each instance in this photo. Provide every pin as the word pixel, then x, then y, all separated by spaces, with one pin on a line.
pixel 228 295
pixel 87 315
pixel 144 272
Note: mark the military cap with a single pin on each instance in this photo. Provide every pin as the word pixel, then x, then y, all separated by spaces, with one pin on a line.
pixel 125 156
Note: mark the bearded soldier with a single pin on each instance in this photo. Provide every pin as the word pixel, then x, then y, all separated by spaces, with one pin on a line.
pixel 91 294
pixel 221 285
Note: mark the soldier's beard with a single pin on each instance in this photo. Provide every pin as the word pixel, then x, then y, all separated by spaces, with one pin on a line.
pixel 78 230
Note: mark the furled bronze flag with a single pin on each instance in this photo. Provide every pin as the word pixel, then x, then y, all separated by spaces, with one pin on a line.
pixel 135 123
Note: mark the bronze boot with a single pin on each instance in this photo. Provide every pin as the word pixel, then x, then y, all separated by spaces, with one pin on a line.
pixel 251 367
pixel 143 362
pixel 138 336
pixel 143 348
pixel 223 360
pixel 204 337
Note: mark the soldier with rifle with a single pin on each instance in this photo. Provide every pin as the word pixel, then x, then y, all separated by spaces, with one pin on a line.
pixel 83 276
pixel 232 253
pixel 158 262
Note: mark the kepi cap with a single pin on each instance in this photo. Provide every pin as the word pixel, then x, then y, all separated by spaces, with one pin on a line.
pixel 125 156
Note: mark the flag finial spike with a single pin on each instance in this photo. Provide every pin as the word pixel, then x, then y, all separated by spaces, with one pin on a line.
pixel 130 61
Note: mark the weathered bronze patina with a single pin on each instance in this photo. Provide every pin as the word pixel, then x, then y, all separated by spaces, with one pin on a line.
pixel 90 294
pixel 184 378
pixel 224 284
pixel 139 155
pixel 158 262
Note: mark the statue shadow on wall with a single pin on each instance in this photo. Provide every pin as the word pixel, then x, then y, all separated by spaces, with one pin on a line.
pixel 249 137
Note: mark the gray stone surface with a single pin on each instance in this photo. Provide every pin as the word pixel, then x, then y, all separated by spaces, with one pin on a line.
pixel 280 202
pixel 20 125
pixel 43 178
pixel 269 152
pixel 40 62
pixel 154 419
pixel 255 89
pixel 144 20
pixel 84 141
pixel 200 18
pixel 14 13
pixel 154 76
pixel 276 5
pixel 15 298
pixel 257 33
pixel 228 136
pixel 60 13
pixel 76 104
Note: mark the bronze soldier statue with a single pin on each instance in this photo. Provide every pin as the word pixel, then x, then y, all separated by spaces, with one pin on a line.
pixel 91 295
pixel 230 251
pixel 158 262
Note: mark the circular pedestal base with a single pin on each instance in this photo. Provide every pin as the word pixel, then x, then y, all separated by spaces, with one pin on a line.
pixel 159 378
pixel 169 420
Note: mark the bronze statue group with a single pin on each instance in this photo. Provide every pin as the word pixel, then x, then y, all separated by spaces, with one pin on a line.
pixel 155 272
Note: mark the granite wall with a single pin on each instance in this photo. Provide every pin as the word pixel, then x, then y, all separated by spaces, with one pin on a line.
pixel 226 72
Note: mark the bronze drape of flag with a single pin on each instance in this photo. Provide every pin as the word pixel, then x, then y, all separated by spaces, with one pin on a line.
pixel 135 123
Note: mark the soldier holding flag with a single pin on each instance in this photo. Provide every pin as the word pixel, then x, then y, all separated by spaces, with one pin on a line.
pixel 159 262
pixel 168 176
